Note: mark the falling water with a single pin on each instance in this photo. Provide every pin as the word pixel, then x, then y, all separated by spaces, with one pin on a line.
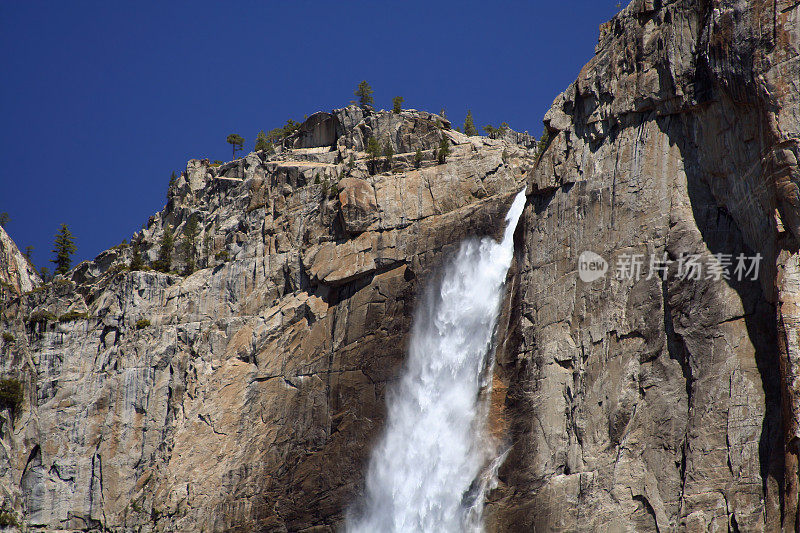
pixel 424 474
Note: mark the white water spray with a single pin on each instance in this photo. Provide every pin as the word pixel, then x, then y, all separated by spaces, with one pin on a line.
pixel 424 474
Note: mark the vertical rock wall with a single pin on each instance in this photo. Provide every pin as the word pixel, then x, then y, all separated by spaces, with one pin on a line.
pixel 661 403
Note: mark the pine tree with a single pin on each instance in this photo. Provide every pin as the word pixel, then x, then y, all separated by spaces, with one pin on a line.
pixel 388 153
pixel 262 144
pixel 136 258
pixel 207 248
pixel 279 134
pixel 444 150
pixel 397 104
pixel 364 93
pixel 236 141
pixel 190 232
pixel 164 261
pixel 542 144
pixel 63 247
pixel 44 273
pixel 172 179
pixel 4 219
pixel 469 125
pixel 418 158
pixel 374 151
pixel 27 253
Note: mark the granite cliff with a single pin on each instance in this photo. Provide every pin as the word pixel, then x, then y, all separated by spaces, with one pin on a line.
pixel 17 274
pixel 245 396
pixel 665 402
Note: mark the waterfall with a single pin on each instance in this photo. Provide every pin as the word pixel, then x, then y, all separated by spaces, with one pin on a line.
pixel 424 474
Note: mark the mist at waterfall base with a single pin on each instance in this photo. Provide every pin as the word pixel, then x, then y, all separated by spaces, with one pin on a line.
pixel 425 473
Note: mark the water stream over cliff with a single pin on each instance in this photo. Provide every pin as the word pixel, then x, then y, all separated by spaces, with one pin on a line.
pixel 423 475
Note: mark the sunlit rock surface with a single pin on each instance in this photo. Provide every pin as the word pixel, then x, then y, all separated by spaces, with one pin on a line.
pixel 17 274
pixel 247 396
pixel 662 404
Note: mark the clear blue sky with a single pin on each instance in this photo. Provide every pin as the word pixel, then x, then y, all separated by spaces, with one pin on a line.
pixel 100 101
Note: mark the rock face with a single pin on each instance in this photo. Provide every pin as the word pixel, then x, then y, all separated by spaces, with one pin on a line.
pixel 319 130
pixel 663 402
pixel 245 396
pixel 17 275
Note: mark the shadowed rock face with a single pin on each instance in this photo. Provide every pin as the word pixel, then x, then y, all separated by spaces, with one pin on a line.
pixel 245 396
pixel 320 129
pixel 663 403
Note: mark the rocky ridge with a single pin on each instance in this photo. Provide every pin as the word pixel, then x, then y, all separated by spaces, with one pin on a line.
pixel 244 396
